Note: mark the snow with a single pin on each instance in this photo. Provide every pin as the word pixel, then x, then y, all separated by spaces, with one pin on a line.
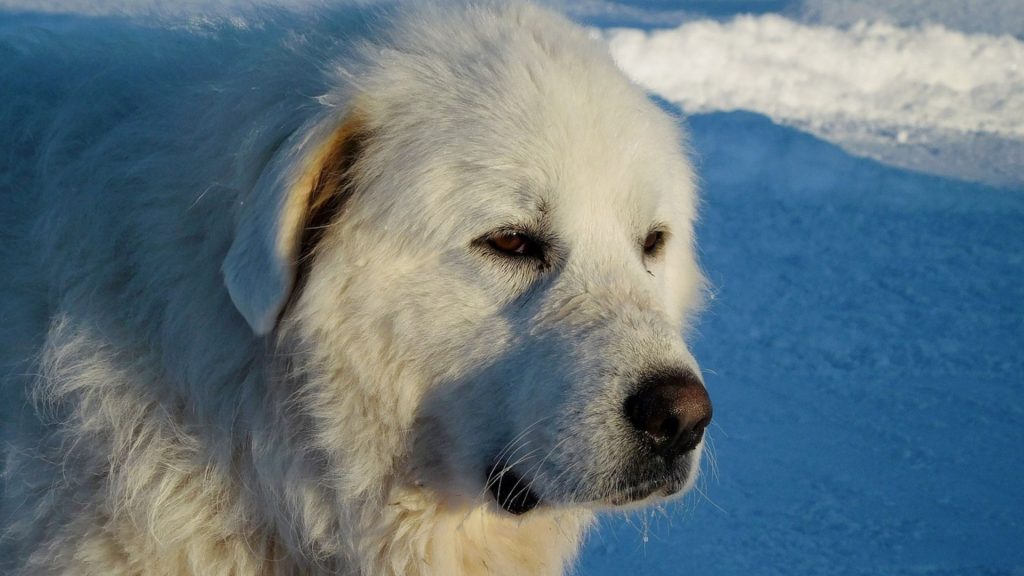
pixel 864 348
pixel 876 88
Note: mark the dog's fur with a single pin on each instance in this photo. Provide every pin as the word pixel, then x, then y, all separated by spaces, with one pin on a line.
pixel 250 322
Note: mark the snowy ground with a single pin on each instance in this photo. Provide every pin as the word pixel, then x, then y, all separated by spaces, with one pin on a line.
pixel 865 350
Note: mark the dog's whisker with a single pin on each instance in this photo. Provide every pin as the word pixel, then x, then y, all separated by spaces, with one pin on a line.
pixel 520 436
pixel 704 495
pixel 533 473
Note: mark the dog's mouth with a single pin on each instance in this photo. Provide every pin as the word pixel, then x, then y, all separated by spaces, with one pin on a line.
pixel 510 491
pixel 639 493
pixel 650 485
pixel 514 495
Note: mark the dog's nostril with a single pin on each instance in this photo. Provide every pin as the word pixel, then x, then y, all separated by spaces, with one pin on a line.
pixel 672 411
pixel 669 428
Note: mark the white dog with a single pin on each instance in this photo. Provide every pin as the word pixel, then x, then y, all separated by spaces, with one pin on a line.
pixel 312 295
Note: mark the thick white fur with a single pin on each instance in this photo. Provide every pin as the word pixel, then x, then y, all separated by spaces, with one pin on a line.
pixel 170 406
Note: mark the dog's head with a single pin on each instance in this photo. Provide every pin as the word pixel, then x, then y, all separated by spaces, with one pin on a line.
pixel 491 257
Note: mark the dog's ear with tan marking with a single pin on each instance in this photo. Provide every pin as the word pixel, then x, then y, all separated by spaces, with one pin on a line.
pixel 303 189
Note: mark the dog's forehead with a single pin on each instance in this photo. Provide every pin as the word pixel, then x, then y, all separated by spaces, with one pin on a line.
pixel 573 167
pixel 521 117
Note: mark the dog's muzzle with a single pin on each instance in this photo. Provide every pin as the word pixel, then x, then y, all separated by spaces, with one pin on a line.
pixel 667 414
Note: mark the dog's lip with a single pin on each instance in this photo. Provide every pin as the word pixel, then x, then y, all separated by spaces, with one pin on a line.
pixel 514 494
pixel 634 494
pixel 510 491
pixel 646 490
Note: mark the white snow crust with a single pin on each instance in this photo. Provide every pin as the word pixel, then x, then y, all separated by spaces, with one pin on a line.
pixel 869 86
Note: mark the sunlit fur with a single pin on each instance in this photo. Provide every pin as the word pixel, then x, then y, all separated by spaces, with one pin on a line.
pixel 177 402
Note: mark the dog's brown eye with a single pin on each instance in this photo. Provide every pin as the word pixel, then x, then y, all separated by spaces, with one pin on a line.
pixel 653 243
pixel 514 243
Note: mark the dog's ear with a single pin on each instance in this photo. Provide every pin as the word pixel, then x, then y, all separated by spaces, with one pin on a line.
pixel 280 224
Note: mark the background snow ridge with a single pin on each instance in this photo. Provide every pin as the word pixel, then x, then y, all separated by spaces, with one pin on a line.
pixel 869 87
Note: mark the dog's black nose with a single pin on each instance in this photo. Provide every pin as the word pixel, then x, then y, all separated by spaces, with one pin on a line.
pixel 671 410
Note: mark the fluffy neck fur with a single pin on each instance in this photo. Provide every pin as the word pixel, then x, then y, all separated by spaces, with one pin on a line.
pixel 162 490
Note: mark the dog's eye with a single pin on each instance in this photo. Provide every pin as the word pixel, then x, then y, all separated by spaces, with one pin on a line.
pixel 654 242
pixel 515 244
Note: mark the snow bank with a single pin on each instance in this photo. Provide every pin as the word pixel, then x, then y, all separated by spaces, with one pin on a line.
pixel 867 87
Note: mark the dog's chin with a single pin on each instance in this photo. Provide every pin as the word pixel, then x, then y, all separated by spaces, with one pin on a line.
pixel 642 494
